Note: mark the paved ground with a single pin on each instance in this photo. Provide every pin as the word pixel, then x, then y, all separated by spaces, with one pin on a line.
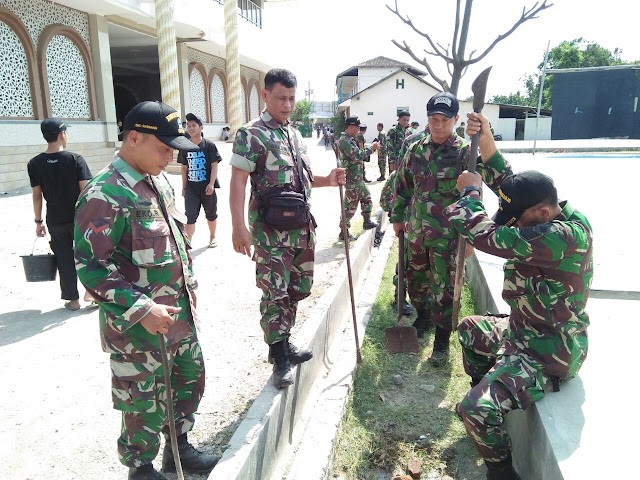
pixel 56 419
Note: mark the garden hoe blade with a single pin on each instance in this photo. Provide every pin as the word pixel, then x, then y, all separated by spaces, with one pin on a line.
pixel 401 339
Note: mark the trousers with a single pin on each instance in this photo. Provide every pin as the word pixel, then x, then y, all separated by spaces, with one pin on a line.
pixel 62 245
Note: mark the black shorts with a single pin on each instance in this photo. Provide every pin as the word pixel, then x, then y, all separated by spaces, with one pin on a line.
pixel 195 197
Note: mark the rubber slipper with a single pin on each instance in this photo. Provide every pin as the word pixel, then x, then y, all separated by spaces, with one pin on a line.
pixel 68 306
pixel 92 304
pixel 213 243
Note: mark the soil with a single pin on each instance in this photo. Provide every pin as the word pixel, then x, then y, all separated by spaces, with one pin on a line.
pixel 57 420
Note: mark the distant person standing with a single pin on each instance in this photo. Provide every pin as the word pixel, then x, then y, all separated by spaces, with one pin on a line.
pixel 395 137
pixel 415 126
pixel 200 179
pixel 382 152
pixel 59 176
pixel 360 140
pixel 351 159
pixel 460 130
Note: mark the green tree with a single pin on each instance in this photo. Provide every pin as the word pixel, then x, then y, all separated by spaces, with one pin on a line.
pixel 512 99
pixel 578 53
pixel 301 112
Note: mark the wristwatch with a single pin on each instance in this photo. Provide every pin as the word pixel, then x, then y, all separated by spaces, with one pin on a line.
pixel 37 221
pixel 470 188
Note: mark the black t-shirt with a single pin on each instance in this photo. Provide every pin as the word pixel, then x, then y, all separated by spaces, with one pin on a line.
pixel 199 163
pixel 58 175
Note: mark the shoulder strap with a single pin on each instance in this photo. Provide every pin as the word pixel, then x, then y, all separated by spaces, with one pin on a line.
pixel 299 164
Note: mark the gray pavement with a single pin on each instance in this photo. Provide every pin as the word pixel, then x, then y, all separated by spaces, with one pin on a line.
pixel 56 418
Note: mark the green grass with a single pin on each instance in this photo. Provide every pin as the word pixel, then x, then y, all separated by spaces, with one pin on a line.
pixel 386 425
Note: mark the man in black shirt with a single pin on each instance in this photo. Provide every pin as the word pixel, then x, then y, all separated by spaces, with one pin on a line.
pixel 199 179
pixel 59 176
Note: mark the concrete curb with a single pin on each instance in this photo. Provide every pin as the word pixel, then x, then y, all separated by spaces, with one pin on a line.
pixel 264 441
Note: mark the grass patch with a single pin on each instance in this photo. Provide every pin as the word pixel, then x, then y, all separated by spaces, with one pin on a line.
pixel 387 425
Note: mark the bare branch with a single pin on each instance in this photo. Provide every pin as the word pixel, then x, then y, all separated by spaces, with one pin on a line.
pixel 432 53
pixel 527 15
pixel 407 49
pixel 408 21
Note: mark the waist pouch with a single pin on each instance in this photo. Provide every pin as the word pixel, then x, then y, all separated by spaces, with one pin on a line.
pixel 284 210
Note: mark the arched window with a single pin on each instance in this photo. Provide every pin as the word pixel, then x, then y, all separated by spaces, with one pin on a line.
pixel 218 99
pixel 243 103
pixel 198 92
pixel 254 101
pixel 15 92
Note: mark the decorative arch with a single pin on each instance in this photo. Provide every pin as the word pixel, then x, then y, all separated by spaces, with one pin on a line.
pixel 245 100
pixel 216 72
pixel 35 85
pixel 253 102
pixel 197 66
pixel 45 38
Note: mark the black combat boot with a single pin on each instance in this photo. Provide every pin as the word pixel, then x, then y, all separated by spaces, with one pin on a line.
pixel 502 470
pixel 341 237
pixel 380 178
pixel 440 347
pixel 191 459
pixel 422 323
pixel 279 356
pixel 298 355
pixel 145 472
pixel 368 224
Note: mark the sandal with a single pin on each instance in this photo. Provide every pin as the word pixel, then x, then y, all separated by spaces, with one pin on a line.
pixel 68 306
pixel 213 243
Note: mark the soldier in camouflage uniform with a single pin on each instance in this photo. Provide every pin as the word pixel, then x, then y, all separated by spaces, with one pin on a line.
pixel 361 142
pixel 351 159
pixel 513 360
pixel 266 151
pixel 425 186
pixel 395 137
pixel 132 256
pixel 382 153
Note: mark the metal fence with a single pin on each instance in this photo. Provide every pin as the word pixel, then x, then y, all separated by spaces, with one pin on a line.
pixel 249 11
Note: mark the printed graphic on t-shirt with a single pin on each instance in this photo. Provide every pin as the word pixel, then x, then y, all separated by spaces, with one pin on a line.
pixel 197 162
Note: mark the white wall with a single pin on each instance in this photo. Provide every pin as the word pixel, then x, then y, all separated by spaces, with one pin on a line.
pixel 544 128
pixel 27 132
pixel 369 76
pixel 507 128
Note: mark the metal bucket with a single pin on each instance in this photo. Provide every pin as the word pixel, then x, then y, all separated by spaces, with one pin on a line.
pixel 40 267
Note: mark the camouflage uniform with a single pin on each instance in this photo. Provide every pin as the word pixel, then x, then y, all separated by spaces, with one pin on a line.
pixel 284 259
pixel 460 131
pixel 351 158
pixel 361 142
pixel 548 274
pixel 425 186
pixel 395 137
pixel 131 254
pixel 382 153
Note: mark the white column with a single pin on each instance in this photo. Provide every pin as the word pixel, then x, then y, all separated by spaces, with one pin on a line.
pixel 169 83
pixel 103 76
pixel 233 66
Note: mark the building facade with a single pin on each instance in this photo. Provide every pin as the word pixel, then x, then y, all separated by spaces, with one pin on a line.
pixel 90 62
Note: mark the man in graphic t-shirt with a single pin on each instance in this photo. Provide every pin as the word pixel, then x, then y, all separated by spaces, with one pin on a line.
pixel 199 179
pixel 58 176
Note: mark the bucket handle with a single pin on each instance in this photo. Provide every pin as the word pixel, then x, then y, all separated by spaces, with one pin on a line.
pixel 33 248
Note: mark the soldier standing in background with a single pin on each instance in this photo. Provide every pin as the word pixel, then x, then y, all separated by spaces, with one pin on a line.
pixel 361 142
pixel 351 159
pixel 382 152
pixel 425 185
pixel 512 360
pixel 268 150
pixel 395 137
pixel 132 255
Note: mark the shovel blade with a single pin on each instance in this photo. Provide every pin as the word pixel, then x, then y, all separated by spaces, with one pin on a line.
pixel 401 339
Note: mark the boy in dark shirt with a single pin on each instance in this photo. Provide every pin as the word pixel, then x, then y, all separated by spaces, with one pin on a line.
pixel 199 179
pixel 59 176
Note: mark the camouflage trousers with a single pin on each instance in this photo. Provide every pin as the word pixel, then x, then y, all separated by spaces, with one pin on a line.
pixel 430 278
pixel 139 392
pixel 354 194
pixel 285 276
pixel 507 383
pixel 382 164
pixel 392 164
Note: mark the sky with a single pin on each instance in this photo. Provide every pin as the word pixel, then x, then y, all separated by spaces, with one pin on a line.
pixel 325 37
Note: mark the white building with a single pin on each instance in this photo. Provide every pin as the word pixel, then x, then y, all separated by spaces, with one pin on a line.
pixel 378 89
pixel 89 62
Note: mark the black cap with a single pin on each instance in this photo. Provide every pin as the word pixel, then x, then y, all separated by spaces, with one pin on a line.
pixel 404 113
pixel 521 191
pixel 445 103
pixel 53 125
pixel 159 119
pixel 352 121
pixel 192 117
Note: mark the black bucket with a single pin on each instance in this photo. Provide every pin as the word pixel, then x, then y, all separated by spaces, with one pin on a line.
pixel 39 268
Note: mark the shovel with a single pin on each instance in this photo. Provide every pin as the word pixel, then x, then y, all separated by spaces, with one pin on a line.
pixel 401 339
